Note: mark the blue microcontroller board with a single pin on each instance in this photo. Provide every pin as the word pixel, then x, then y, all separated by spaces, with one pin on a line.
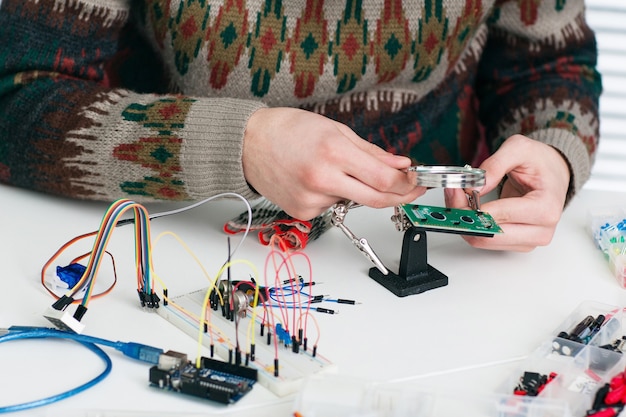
pixel 214 380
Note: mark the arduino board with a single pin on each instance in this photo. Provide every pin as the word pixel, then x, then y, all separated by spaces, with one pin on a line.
pixel 214 380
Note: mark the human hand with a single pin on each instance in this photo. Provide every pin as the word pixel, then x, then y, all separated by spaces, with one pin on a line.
pixel 532 197
pixel 305 163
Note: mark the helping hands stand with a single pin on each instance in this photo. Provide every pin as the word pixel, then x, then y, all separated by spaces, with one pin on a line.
pixel 415 275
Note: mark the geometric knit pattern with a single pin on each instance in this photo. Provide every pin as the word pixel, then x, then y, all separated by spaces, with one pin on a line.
pixel 150 101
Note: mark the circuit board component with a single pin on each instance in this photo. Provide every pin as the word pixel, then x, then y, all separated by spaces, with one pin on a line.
pixel 214 380
pixel 450 220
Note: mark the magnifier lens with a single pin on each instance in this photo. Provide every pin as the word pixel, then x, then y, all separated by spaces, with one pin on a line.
pixel 433 176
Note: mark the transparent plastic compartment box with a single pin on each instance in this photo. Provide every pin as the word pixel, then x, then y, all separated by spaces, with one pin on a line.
pixel 579 366
pixel 576 370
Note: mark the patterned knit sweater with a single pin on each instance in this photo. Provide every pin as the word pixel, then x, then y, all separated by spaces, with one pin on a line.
pixel 149 99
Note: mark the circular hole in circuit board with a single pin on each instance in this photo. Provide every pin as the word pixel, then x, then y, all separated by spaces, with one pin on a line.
pixel 437 215
pixel 467 219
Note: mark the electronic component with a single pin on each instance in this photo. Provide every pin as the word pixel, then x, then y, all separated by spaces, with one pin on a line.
pixel 214 380
pixel 532 383
pixel 238 300
pixel 63 320
pixel 295 367
pixel 68 276
pixel 450 220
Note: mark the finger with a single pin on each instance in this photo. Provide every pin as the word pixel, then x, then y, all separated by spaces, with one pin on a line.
pixel 521 210
pixel 337 188
pixel 495 171
pixel 373 176
pixel 526 210
pixel 514 152
pixel 516 237
pixel 356 190
pixel 524 226
pixel 379 175
pixel 496 244
pixel 305 208
pixel 396 161
pixel 455 198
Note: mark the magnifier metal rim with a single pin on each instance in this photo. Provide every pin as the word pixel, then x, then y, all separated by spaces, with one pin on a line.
pixel 436 176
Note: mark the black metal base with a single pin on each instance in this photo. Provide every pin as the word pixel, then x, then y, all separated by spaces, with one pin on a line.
pixel 415 275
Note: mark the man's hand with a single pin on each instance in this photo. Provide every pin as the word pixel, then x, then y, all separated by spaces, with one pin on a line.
pixel 305 163
pixel 532 198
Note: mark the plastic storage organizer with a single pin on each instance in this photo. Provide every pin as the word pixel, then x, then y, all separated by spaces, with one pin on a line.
pixel 573 371
pixel 608 229
pixel 579 367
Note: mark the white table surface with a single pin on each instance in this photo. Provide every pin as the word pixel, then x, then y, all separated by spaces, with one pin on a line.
pixel 467 336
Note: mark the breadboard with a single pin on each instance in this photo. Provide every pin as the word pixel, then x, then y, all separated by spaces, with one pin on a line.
pixel 294 368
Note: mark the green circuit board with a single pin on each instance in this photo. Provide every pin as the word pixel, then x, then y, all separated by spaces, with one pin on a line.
pixel 450 220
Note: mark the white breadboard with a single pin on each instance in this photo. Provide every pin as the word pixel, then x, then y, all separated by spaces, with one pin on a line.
pixel 294 368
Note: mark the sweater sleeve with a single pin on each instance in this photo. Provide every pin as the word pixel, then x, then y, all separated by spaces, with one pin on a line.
pixel 538 78
pixel 72 125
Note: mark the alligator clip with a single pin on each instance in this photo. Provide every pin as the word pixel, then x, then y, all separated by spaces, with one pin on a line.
pixel 339 213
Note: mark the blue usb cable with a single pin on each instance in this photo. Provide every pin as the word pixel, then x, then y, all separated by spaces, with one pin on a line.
pixel 137 351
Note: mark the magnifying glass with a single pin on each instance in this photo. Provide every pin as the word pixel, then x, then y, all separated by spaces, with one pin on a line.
pixel 433 176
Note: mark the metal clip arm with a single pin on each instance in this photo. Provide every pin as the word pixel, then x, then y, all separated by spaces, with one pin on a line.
pixel 339 213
